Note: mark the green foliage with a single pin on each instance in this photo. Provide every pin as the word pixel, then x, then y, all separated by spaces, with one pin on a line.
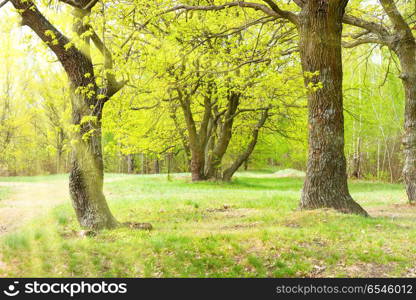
pixel 158 55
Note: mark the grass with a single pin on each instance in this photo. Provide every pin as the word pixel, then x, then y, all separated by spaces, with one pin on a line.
pixel 4 192
pixel 247 228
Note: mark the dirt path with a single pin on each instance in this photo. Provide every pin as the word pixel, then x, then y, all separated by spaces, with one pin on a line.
pixel 29 200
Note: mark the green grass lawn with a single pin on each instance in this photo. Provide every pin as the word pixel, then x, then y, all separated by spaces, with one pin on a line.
pixel 247 228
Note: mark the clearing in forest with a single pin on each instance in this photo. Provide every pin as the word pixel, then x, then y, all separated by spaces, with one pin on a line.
pixel 248 228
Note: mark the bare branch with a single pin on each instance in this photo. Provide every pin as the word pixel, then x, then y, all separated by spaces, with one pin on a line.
pixel 395 17
pixel 3 3
pixel 373 27
pixel 283 13
pixel 362 41
pixel 255 6
pixel 145 107
pixel 84 4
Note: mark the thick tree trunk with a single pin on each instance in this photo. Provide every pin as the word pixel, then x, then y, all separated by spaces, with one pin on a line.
pixel 320 31
pixel 197 164
pixel 86 182
pixel 407 56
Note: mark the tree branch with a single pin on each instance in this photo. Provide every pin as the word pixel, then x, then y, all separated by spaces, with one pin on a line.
pixel 373 27
pixel 395 16
pixel 362 41
pixel 255 6
pixel 3 3
pixel 283 13
pixel 113 86
pixel 83 4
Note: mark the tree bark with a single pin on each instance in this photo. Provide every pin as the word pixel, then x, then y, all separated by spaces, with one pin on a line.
pixel 197 164
pixel 320 29
pixel 86 180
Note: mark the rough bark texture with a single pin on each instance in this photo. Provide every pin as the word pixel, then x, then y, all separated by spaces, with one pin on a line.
pixel 320 28
pixel 86 175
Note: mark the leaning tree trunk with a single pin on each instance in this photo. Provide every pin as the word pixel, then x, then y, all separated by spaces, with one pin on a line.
pixel 320 31
pixel 407 56
pixel 243 157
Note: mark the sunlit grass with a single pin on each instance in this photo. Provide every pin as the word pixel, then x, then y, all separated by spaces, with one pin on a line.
pixel 247 228
pixel 4 192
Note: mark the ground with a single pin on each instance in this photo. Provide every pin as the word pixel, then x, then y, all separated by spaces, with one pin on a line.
pixel 248 228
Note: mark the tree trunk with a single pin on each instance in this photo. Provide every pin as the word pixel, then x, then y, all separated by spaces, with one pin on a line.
pixel 246 162
pixel 320 31
pixel 130 163
pixel 228 173
pixel 197 141
pixel 86 181
pixel 225 136
pixel 356 161
pixel 60 150
pixel 197 164
pixel 156 166
pixel 407 56
pixel 403 43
